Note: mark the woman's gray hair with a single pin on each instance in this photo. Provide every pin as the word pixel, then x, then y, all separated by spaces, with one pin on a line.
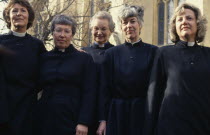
pixel 103 15
pixel 201 22
pixel 132 11
pixel 64 20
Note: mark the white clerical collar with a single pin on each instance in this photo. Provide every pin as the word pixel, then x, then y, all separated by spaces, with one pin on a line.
pixel 101 46
pixel 135 42
pixel 61 50
pixel 17 34
pixel 190 43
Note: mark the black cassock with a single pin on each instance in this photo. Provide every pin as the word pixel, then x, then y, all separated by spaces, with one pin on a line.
pixel 178 97
pixel 3 96
pixel 3 100
pixel 127 69
pixel 97 54
pixel 21 71
pixel 68 99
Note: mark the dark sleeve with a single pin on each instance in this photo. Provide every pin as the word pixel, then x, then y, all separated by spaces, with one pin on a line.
pixel 4 114
pixel 41 51
pixel 84 49
pixel 42 48
pixel 102 95
pixel 105 87
pixel 88 97
pixel 152 57
pixel 155 94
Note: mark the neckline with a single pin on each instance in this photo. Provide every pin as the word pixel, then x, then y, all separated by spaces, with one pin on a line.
pixel 17 34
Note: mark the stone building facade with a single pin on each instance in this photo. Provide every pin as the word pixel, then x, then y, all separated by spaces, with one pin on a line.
pixel 156 19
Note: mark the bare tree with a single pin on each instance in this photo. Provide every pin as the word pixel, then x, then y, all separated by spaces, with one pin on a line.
pixel 2 24
pixel 45 11
pixel 3 0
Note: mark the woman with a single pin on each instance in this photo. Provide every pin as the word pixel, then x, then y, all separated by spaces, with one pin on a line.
pixel 128 71
pixel 101 26
pixel 68 83
pixel 20 69
pixel 179 91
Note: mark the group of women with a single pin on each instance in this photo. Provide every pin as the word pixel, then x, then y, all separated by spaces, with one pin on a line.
pixel 131 89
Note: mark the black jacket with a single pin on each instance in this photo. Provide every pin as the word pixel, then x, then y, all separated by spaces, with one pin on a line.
pixel 178 98
pixel 128 68
pixel 21 70
pixel 98 54
pixel 68 83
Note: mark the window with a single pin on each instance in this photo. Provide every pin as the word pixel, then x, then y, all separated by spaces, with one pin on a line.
pixel 161 23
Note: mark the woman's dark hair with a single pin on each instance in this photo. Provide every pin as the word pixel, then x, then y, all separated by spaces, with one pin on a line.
pixel 24 3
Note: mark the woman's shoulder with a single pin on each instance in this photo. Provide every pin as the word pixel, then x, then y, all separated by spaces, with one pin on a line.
pixel 115 48
pixel 166 47
pixel 4 36
pixel 166 50
pixel 83 53
pixel 204 47
pixel 34 39
pixel 149 45
pixel 87 48
pixel 48 53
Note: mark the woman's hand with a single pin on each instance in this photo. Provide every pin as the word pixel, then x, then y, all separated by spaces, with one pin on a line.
pixel 81 129
pixel 101 128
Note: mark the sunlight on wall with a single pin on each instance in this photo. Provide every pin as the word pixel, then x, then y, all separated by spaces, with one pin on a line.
pixel 198 3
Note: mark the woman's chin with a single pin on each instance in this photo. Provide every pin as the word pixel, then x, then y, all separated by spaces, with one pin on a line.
pixel 18 26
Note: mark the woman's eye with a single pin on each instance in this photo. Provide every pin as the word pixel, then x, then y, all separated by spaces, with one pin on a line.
pixel 14 11
pixel 67 31
pixel 23 10
pixel 96 28
pixel 189 18
pixel 124 23
pixel 179 19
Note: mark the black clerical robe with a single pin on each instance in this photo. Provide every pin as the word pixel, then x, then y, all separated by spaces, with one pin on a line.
pixel 178 100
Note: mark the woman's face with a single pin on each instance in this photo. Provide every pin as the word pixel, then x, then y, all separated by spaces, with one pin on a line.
pixel 100 31
pixel 186 25
pixel 62 36
pixel 131 29
pixel 19 18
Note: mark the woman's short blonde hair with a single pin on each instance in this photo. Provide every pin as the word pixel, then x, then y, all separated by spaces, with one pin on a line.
pixel 201 22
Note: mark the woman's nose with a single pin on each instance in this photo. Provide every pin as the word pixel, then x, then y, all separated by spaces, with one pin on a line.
pixel 19 12
pixel 129 24
pixel 99 31
pixel 184 21
pixel 62 34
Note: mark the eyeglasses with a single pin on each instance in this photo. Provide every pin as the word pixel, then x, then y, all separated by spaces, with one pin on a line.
pixel 60 30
